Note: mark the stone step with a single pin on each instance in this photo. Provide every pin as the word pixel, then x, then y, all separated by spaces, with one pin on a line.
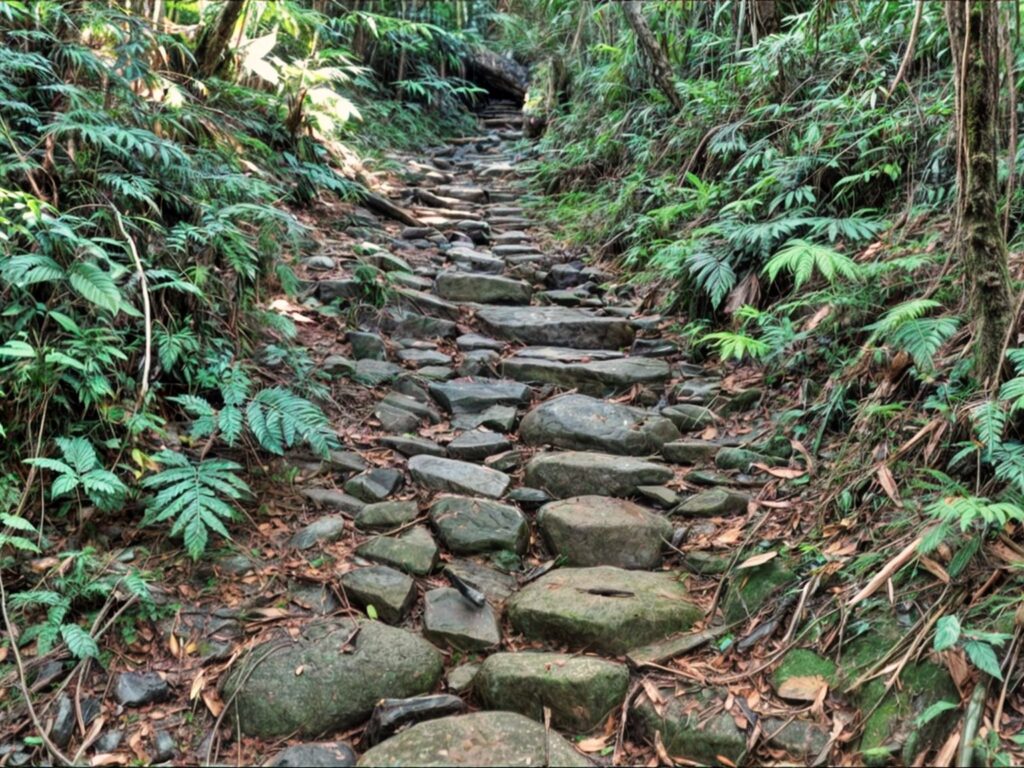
pixel 482 289
pixel 558 326
pixel 599 378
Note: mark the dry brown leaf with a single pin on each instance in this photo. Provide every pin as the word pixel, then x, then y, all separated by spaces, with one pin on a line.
pixel 756 560
pixel 786 473
pixel 659 747
pixel 888 483
pixel 197 685
pixel 213 702
pixel 595 744
pixel 803 687
pixel 935 569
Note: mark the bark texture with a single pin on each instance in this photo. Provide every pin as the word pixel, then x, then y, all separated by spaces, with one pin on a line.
pixel 657 61
pixel 213 41
pixel 974 39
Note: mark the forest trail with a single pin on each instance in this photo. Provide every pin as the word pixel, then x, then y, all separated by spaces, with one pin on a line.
pixel 538 523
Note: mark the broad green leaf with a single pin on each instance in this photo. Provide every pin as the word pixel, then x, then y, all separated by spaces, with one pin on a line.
pixel 947 633
pixel 95 285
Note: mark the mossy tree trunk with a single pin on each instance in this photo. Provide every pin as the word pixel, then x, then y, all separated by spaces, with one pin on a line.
pixel 974 41
pixel 658 63
pixel 214 39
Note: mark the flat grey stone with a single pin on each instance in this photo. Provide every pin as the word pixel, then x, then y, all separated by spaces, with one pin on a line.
pixel 742 459
pixel 386 515
pixel 688 451
pixel 497 585
pixel 413 446
pixel 603 609
pixel 482 289
pixel 474 261
pixel 500 418
pixel 474 341
pixel 336 365
pixel 580 691
pixel 558 326
pixel 390 592
pixel 597 530
pixel 413 551
pixel 327 754
pixel 346 668
pixel 319 263
pixel 422 410
pixel 136 689
pixel 689 418
pixel 423 357
pixel 477 445
pixel 450 619
pixel 367 346
pixel 663 497
pixel 599 377
pixel 476 395
pixel 468 525
pixel 457 476
pixel 485 739
pixel 325 529
pixel 581 422
pixel 374 484
pixel 372 373
pixel 581 473
pixel 718 501
pixel 460 679
pixel 395 419
pixel 568 354
pixel 346 461
pixel 479 362
pixel 424 327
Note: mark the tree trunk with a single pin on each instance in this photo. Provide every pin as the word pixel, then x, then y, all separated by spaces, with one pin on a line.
pixel 974 41
pixel 658 63
pixel 213 40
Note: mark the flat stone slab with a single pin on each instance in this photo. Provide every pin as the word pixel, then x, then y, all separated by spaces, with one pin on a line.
pixel 479 262
pixel 582 473
pixel 458 476
pixel 390 592
pixel 333 499
pixel 487 739
pixel 386 515
pixel 580 691
pixel 482 289
pixel 327 528
pixel 477 445
pixel 450 619
pixel 558 326
pixel 474 341
pixel 597 530
pixel 346 668
pixel 598 377
pixel 568 354
pixel 477 395
pixel 688 451
pixel 413 551
pixel 689 418
pixel 328 754
pixel 717 501
pixel 581 422
pixel 604 609
pixel 467 525
pixel 412 446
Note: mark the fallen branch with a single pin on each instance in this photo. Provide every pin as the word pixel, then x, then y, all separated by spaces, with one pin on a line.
pixel 904 557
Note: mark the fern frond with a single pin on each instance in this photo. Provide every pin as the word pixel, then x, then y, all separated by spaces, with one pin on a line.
pixel 801 259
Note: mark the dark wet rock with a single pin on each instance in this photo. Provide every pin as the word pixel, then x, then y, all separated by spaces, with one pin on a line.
pixel 346 668
pixel 602 609
pixel 482 739
pixel 695 728
pixel 581 422
pixel 326 529
pixel 332 498
pixel 696 391
pixel 336 365
pixel 653 348
pixel 559 326
pixel 372 373
pixel 468 525
pixel 473 261
pixel 423 357
pixel 424 327
pixel 395 420
pixel 164 747
pixel 477 445
pixel 385 515
pixel 392 714
pixel 325 754
pixel 413 551
pixel 457 476
pixel 688 451
pixel 579 473
pixel 346 461
pixel 367 346
pixel 662 496
pixel 742 459
pixel 596 377
pixel 528 497
pixel 482 289
pixel 436 372
pixel 718 501
pixel 450 619
pixel 331 290
pixel 501 418
pixel 580 691
pixel 136 689
pixel 319 263
pixel 480 362
pixel 709 478
pixel 375 484
pixel 477 395
pixel 568 354
pixel 63 721
pixel 742 401
pixel 386 262
pixel 215 632
pixel 413 446
pixel 313 597
pixel 109 741
pixel 690 418
pixel 420 409
pixel 597 530
pixel 390 592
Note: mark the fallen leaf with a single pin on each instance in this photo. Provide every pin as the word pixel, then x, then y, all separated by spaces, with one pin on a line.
pixel 197 685
pixel 803 687
pixel 592 745
pixel 888 483
pixel 756 560
pixel 300 669
pixel 786 473
pixel 934 569
pixel 174 646
pixel 213 702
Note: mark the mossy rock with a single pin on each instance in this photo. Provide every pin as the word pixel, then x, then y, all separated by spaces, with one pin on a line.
pixel 801 662
pixel 749 589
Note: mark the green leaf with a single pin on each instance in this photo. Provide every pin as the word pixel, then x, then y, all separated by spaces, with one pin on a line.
pixel 983 657
pixel 947 633
pixel 95 285
pixel 79 642
pixel 371 612
pixel 934 711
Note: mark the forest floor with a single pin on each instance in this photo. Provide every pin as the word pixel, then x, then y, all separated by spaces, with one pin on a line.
pixel 596 550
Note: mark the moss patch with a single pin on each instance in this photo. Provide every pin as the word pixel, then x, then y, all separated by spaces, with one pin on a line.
pixel 750 589
pixel 801 662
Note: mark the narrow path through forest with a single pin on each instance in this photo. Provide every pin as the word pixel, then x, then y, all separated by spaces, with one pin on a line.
pixel 542 519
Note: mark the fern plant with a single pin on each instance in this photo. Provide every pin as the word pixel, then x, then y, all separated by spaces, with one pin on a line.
pixel 81 470
pixel 802 259
pixel 197 496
